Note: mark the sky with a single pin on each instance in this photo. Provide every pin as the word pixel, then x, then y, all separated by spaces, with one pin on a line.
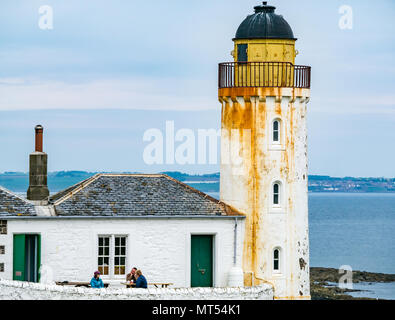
pixel 108 71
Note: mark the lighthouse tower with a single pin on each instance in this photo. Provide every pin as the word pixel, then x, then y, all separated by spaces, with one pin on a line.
pixel 264 98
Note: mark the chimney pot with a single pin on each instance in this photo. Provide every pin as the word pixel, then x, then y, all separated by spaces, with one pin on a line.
pixel 39 138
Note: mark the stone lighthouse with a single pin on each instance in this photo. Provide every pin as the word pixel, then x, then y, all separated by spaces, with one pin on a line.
pixel 264 98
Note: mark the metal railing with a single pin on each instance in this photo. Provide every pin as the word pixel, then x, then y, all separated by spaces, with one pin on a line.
pixel 263 74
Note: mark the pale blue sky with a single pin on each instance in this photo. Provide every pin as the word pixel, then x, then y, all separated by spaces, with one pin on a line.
pixel 109 70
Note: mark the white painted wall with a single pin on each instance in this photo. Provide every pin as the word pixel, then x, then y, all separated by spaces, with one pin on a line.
pixel 247 185
pixel 159 247
pixel 16 290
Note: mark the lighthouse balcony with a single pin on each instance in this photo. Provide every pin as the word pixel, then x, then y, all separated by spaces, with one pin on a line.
pixel 263 74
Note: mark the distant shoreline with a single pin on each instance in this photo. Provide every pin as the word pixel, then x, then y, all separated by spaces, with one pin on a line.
pixel 57 181
pixel 321 279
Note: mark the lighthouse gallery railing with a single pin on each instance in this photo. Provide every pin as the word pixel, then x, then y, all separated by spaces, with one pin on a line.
pixel 263 74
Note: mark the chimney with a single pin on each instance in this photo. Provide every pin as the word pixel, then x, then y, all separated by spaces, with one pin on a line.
pixel 38 189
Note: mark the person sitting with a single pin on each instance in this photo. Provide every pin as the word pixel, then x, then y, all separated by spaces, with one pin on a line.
pixel 141 282
pixel 96 282
pixel 131 277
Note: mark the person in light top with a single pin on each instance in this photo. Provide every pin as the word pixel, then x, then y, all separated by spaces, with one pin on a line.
pixel 131 277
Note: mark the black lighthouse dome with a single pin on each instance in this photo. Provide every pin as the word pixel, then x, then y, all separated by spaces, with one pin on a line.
pixel 264 24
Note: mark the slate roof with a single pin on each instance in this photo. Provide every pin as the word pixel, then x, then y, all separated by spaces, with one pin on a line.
pixel 13 205
pixel 113 195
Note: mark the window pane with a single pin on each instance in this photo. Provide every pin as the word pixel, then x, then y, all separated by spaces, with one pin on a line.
pixel 276 254
pixel 275 125
pixel 275 136
pixel 276 188
pixel 275 199
pixel 123 251
pixel 276 265
pixel 122 270
pixel 100 241
pixel 105 271
pixel 117 251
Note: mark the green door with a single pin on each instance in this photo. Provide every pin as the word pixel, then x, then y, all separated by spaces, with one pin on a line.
pixel 19 257
pixel 26 257
pixel 201 261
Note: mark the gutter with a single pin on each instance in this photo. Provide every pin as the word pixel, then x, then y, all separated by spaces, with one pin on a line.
pixel 116 217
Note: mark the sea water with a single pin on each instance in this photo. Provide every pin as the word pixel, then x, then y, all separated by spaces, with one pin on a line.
pixel 356 230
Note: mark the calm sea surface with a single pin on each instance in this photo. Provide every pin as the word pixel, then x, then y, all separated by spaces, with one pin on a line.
pixel 352 229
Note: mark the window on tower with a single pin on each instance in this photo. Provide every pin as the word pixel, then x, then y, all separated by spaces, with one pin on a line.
pixel 276 194
pixel 276 259
pixel 242 55
pixel 276 131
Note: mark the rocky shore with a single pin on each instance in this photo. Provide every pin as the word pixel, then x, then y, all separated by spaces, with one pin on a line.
pixel 320 279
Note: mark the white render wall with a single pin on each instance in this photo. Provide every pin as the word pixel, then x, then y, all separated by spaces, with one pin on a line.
pixel 247 184
pixel 17 290
pixel 159 247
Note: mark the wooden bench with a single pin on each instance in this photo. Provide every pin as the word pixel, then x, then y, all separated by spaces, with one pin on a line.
pixel 157 285
pixel 77 284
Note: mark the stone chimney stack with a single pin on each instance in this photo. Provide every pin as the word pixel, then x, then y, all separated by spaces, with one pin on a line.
pixel 38 189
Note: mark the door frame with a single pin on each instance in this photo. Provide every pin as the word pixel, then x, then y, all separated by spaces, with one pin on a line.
pixel 188 255
pixel 39 252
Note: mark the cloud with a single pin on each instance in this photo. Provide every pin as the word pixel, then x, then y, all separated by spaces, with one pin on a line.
pixel 372 104
pixel 127 93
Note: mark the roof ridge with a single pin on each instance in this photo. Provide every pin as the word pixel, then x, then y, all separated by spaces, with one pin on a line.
pixel 228 209
pixel 78 187
pixel 156 175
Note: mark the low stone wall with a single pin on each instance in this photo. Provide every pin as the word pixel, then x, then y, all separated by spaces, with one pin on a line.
pixel 17 290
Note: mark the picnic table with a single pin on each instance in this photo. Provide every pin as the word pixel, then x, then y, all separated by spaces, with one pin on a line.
pixel 77 284
pixel 157 285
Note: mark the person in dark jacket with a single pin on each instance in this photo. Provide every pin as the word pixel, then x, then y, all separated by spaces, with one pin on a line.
pixel 96 282
pixel 141 282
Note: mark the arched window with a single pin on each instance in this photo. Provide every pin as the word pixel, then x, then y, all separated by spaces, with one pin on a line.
pixel 276 259
pixel 276 131
pixel 276 193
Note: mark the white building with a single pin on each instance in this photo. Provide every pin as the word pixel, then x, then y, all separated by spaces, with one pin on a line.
pixel 256 234
pixel 111 223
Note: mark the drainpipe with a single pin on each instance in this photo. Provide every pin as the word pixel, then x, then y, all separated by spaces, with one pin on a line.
pixel 235 244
